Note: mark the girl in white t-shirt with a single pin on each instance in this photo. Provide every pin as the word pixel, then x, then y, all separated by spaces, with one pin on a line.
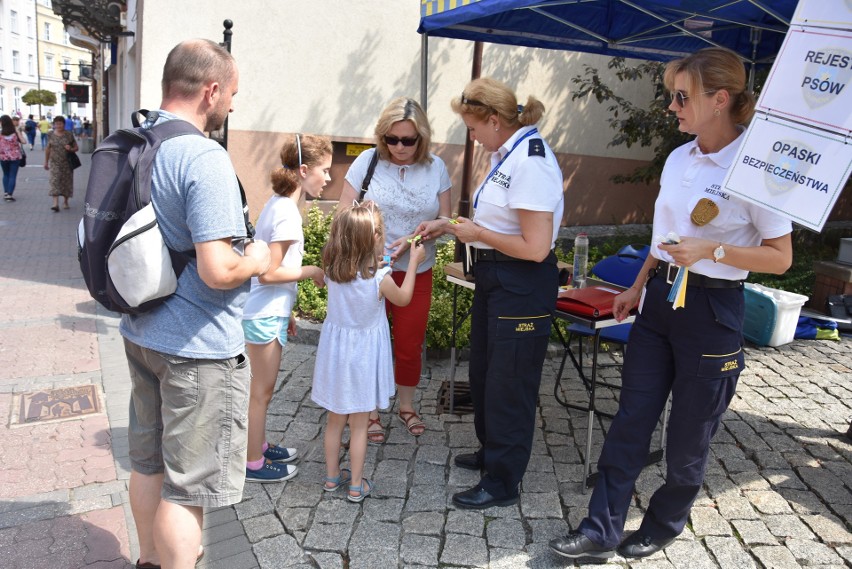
pixel 353 374
pixel 305 162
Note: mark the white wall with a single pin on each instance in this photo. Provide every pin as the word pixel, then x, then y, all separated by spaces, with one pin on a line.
pixel 329 66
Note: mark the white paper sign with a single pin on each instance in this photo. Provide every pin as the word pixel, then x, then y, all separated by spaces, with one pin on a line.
pixel 824 13
pixel 794 171
pixel 811 80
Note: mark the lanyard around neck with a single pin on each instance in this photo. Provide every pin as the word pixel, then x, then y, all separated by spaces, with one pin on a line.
pixel 500 163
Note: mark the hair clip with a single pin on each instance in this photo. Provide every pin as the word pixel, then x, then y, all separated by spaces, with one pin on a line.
pixel 520 109
pixel 466 101
pixel 299 146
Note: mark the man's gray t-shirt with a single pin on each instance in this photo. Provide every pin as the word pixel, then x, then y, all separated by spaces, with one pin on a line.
pixel 196 199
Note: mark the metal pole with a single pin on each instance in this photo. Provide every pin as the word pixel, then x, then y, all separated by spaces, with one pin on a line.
pixel 226 43
pixel 464 199
pixel 755 39
pixel 424 70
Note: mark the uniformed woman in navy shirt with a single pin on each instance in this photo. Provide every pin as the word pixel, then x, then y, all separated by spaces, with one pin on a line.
pixel 695 352
pixel 516 214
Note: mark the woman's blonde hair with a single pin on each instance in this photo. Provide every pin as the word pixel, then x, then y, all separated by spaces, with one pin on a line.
pixel 405 109
pixel 351 247
pixel 713 69
pixel 307 149
pixel 484 97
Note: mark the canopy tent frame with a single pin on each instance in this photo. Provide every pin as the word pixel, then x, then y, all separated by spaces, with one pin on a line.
pixel 692 24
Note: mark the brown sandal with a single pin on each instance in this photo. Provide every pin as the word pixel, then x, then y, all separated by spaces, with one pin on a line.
pixel 375 437
pixel 412 422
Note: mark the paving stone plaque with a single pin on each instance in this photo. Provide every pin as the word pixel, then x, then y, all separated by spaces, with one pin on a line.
pixel 58 404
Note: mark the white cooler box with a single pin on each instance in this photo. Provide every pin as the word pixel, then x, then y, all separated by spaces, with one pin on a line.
pixel 771 315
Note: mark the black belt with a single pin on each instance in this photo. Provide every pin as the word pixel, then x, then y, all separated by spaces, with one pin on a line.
pixel 496 256
pixel 669 272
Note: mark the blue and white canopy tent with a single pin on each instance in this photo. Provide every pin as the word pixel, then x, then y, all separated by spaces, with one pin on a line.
pixel 643 29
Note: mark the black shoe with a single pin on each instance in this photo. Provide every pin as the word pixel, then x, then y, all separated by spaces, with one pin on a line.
pixel 478 499
pixel 470 461
pixel 575 545
pixel 638 545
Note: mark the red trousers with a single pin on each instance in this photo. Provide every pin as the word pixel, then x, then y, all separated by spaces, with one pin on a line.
pixel 409 328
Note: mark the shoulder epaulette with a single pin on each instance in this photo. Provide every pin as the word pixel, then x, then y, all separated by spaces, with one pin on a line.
pixel 536 147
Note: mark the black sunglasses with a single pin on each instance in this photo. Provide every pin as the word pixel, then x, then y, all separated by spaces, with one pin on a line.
pixel 680 98
pixel 394 140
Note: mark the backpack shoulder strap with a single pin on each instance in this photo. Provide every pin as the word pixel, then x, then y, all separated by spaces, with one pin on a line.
pixel 369 177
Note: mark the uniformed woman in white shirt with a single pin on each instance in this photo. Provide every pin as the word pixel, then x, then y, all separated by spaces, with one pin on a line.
pixel 695 352
pixel 516 214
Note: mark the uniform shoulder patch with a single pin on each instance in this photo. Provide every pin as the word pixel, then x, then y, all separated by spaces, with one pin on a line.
pixel 536 147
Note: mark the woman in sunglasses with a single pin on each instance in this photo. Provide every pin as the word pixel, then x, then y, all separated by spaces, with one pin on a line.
pixel 409 184
pixel 693 353
pixel 516 214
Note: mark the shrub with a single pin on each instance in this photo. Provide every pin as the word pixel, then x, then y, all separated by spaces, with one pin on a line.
pixel 440 329
pixel 312 299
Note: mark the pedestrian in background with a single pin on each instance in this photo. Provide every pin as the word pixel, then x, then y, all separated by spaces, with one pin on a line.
pixel 189 374
pixel 409 184
pixel 305 162
pixel 30 128
pixel 353 374
pixel 516 214
pixel 10 155
pixel 44 130
pixel 60 142
pixel 693 354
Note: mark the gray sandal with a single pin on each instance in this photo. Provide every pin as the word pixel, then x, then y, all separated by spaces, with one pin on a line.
pixel 362 493
pixel 345 477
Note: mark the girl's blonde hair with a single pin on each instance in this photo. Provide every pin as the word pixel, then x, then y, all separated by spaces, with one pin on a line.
pixel 351 247
pixel 307 149
pixel 484 97
pixel 404 109
pixel 713 69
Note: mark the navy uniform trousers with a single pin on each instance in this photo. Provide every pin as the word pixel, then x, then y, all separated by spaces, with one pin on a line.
pixel 694 353
pixel 510 328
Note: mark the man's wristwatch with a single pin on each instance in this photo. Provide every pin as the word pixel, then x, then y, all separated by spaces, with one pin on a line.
pixel 718 253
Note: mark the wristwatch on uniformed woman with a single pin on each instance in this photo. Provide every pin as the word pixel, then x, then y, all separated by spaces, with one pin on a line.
pixel 718 253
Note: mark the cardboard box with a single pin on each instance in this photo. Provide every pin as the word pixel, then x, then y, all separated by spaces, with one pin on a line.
pixel 771 315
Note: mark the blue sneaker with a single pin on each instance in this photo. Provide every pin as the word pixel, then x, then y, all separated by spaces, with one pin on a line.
pixel 271 472
pixel 276 453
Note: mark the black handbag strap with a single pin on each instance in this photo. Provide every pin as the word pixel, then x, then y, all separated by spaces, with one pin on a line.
pixel 368 178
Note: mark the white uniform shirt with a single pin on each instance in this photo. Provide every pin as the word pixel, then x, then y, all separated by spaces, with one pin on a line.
pixel 280 220
pixel 406 195
pixel 532 183
pixel 688 176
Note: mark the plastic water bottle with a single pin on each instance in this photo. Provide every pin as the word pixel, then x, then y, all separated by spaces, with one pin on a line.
pixel 581 260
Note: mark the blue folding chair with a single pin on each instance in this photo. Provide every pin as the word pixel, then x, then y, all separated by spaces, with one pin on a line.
pixel 619 269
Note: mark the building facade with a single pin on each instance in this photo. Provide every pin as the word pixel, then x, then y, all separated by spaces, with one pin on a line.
pixel 18 55
pixel 56 53
pixel 330 66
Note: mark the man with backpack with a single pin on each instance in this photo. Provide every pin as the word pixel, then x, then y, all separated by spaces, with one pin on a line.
pixel 189 373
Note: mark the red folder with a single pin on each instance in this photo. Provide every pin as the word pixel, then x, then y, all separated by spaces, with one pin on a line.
pixel 594 301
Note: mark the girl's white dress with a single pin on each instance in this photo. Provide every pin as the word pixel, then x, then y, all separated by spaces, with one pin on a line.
pixel 354 362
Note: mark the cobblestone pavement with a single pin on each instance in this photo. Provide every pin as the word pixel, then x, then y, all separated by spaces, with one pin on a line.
pixel 778 492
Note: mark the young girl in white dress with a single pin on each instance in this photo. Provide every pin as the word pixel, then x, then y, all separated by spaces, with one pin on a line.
pixel 354 362
pixel 305 161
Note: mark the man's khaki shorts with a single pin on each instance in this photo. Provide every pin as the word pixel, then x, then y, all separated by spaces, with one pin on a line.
pixel 188 420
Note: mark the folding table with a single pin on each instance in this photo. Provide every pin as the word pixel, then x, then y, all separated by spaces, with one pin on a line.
pixel 591 381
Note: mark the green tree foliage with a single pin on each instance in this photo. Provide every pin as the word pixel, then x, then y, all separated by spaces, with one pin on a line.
pixel 649 124
pixel 312 300
pixel 39 97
